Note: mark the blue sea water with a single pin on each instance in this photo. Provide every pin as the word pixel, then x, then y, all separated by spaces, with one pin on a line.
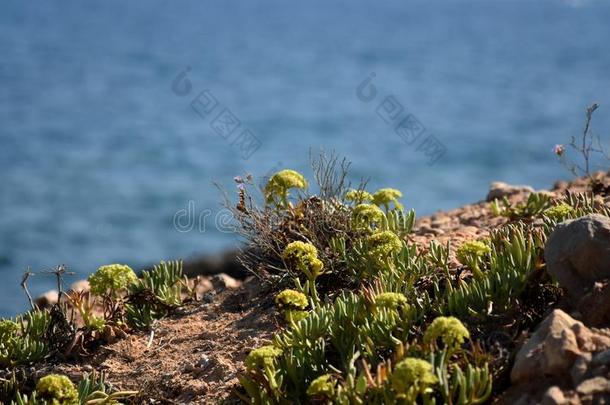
pixel 104 159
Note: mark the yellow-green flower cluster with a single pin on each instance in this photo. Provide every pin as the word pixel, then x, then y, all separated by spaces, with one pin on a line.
pixel 412 372
pixel 390 300
pixel 276 190
pixel 55 389
pixel 385 196
pixel 367 214
pixel 383 244
pixel 262 357
pixel 471 250
pixel 559 212
pixel 322 386
pixel 451 331
pixel 290 299
pixel 292 305
pixel 358 196
pixel 300 252
pixel 113 277
pixel 471 254
pixel 8 328
pixel 305 257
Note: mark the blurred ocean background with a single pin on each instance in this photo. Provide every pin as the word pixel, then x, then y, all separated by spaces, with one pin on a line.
pixel 98 154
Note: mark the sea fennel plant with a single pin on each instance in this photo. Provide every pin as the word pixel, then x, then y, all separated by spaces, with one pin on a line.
pixel 330 353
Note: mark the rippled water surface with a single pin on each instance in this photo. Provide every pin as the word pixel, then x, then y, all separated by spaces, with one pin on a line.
pixel 98 153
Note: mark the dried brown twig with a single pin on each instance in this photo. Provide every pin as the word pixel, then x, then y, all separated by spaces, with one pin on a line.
pixel 24 284
pixel 587 146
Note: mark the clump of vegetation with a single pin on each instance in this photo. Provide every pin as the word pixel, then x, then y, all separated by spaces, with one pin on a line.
pixel 56 389
pixel 396 324
pixel 24 341
pixel 370 315
pixel 117 301
pixel 535 205
pixel 357 346
pixel 472 254
pixel 155 294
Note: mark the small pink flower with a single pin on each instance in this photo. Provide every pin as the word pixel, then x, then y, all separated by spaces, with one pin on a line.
pixel 559 150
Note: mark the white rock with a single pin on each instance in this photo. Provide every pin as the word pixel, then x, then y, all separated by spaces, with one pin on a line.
pixel 498 190
pixel 47 299
pixel 80 286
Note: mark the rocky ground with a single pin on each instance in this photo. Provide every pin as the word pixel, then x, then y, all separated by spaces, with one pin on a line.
pixel 195 355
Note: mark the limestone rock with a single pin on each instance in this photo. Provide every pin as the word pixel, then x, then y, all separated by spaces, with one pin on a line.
pixel 203 285
pixel 80 286
pixel 223 281
pixel 577 253
pixel 499 190
pixel 552 349
pixel 563 362
pixel 553 396
pixel 48 299
pixel 595 385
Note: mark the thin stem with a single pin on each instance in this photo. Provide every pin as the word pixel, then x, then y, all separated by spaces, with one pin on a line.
pixel 24 285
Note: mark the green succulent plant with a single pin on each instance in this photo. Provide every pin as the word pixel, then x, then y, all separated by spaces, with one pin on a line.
pixel 471 254
pixel 341 350
pixel 25 341
pixel 535 205
pixel 156 293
